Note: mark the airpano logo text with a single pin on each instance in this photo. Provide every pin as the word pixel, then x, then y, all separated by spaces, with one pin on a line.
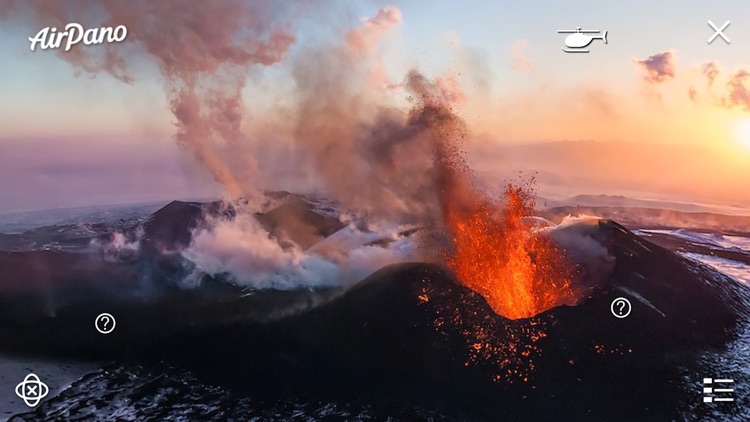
pixel 74 33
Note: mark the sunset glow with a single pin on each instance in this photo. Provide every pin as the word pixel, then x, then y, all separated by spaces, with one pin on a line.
pixel 510 81
pixel 743 133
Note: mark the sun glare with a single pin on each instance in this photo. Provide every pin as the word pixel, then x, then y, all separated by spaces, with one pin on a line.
pixel 743 133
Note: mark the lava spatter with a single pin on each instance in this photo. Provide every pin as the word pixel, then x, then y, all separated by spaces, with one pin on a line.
pixel 497 254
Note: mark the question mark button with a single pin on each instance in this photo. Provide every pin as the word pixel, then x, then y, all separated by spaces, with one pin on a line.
pixel 620 307
pixel 105 323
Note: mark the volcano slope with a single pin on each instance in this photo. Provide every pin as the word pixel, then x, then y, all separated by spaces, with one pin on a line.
pixel 49 298
pixel 409 337
pixel 445 345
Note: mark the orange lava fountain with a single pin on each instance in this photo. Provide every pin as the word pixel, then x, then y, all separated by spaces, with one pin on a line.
pixel 493 250
pixel 497 254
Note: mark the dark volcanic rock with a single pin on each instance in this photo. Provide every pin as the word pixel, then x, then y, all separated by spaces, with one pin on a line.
pixel 296 221
pixel 409 337
pixel 44 272
pixel 171 228
pixel 413 321
pixel 676 304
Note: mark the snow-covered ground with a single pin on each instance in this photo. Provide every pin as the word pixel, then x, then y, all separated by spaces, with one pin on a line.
pixel 57 375
pixel 712 242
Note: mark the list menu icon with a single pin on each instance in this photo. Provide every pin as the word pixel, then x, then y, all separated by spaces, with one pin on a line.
pixel 717 390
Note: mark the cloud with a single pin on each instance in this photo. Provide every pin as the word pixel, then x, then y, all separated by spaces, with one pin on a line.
pixel 658 68
pixel 721 89
pixel 738 87
pixel 366 37
pixel 515 52
pixel 710 70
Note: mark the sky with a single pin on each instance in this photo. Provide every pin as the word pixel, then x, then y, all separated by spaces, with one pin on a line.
pixel 69 138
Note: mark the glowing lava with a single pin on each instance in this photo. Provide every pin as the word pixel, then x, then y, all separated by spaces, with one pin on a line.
pixel 498 254
pixel 492 249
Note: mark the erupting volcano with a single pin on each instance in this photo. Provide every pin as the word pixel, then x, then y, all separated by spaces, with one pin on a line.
pixel 497 253
pixel 493 249
pixel 357 260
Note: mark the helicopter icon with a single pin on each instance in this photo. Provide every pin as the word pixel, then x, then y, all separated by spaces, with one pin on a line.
pixel 578 39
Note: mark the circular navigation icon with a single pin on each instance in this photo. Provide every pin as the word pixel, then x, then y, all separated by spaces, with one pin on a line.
pixel 32 390
pixel 105 323
pixel 620 307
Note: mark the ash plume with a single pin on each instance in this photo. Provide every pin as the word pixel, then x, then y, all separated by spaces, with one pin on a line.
pixel 375 156
pixel 384 157
pixel 364 39
pixel 203 51
pixel 387 155
pixel 369 150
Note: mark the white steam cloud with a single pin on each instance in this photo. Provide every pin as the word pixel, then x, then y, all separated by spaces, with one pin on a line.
pixel 242 250
pixel 580 237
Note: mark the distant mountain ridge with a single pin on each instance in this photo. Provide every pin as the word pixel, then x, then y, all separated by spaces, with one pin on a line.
pixel 690 172
pixel 653 218
pixel 603 200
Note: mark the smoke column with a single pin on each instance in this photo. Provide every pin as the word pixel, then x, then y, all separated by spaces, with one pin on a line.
pixel 385 157
pixel 371 152
pixel 377 156
pixel 202 49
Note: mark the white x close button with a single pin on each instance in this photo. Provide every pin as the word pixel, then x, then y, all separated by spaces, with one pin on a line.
pixel 718 32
